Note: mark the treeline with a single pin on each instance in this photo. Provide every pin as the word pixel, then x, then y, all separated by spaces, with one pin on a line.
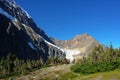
pixel 99 60
pixel 11 65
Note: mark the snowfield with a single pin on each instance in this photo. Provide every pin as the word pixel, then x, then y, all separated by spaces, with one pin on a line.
pixel 31 45
pixel 70 53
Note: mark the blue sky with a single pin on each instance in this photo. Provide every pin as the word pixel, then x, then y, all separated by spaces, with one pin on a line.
pixel 63 19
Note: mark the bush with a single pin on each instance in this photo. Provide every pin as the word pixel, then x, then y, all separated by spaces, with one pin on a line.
pixel 98 61
pixel 11 65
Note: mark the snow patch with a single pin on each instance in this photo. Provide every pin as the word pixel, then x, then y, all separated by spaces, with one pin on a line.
pixel 31 45
pixel 6 14
pixel 47 41
pixel 14 5
pixel 54 46
pixel 25 12
pixel 24 25
pixel 11 3
pixel 71 53
pixel 15 19
pixel 51 44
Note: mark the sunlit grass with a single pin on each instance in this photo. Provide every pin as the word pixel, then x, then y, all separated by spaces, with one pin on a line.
pixel 115 74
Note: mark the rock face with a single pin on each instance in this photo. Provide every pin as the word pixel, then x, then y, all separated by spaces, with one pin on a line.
pixel 19 35
pixel 83 44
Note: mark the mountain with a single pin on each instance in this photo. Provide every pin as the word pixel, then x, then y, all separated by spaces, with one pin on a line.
pixel 20 36
pixel 80 45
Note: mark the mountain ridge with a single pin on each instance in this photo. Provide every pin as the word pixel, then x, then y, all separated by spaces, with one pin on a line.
pixel 21 36
pixel 77 41
pixel 79 46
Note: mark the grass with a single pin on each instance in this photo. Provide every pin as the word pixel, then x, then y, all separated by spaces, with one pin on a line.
pixel 110 75
pixel 68 76
pixel 63 73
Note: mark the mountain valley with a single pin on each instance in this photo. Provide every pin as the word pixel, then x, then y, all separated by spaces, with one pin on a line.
pixel 28 53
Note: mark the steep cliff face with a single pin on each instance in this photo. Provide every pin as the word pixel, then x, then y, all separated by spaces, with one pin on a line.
pixel 19 35
pixel 22 16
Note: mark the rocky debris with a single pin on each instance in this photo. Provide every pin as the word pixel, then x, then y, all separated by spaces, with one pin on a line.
pixel 52 73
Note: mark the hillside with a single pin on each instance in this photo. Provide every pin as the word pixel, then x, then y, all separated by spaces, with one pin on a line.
pixel 62 72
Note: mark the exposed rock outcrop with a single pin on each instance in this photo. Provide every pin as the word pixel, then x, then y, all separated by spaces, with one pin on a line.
pixel 82 43
pixel 19 35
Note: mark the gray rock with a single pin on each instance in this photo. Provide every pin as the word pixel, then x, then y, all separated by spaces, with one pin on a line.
pixel 19 35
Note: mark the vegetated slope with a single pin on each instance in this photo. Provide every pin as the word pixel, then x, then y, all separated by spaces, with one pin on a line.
pixel 62 72
pixel 49 73
pixel 19 35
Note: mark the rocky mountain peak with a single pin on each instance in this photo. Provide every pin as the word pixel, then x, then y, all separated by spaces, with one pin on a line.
pixel 81 36
pixel 20 35
pixel 79 46
pixel 86 35
pixel 17 13
pixel 79 41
